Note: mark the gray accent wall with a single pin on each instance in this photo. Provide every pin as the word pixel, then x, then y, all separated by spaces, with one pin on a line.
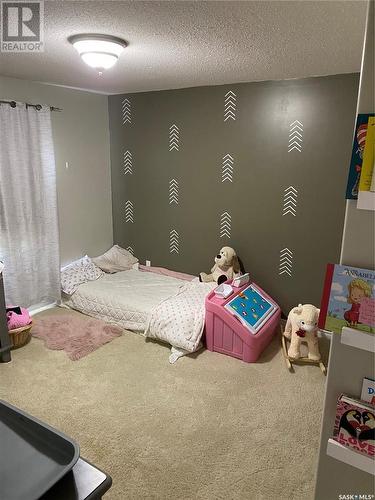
pixel 258 166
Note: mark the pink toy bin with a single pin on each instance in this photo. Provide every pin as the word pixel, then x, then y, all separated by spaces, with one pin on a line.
pixel 227 335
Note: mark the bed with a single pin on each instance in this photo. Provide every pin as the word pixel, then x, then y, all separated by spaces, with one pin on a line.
pixel 161 307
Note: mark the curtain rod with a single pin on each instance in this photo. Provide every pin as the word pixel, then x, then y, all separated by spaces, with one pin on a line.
pixel 38 107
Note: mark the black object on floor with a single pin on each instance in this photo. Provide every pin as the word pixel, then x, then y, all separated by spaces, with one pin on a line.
pixel 83 482
pixel 33 455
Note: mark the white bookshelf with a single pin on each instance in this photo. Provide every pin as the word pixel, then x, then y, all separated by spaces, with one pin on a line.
pixel 352 355
pixel 358 339
pixel 341 469
pixel 350 457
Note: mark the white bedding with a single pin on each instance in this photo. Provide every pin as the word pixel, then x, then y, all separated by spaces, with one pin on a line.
pixel 179 320
pixel 125 298
pixel 164 308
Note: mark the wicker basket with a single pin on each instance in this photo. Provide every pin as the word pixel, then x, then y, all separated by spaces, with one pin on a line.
pixel 20 336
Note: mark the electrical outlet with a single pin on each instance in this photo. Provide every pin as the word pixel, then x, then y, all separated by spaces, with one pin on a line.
pixel 148 263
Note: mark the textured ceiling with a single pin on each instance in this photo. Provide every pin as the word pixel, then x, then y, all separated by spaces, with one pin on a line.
pixel 175 44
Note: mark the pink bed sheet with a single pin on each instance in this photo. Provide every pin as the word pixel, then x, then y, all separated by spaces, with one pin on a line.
pixel 166 272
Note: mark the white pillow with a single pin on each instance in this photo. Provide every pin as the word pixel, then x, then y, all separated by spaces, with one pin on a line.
pixel 78 272
pixel 115 259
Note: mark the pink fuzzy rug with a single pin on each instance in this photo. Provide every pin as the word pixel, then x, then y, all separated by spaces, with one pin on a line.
pixel 74 334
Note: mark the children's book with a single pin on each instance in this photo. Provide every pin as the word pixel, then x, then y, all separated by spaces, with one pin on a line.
pixel 355 425
pixel 348 299
pixel 368 390
pixel 366 195
pixel 359 143
pixel 251 307
pixel 368 157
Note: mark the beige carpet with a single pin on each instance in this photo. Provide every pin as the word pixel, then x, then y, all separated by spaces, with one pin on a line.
pixel 208 427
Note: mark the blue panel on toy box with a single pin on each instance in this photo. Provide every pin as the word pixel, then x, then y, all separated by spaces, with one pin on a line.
pixel 251 307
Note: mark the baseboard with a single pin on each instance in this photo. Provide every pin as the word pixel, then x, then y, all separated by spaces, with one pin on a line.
pixel 39 309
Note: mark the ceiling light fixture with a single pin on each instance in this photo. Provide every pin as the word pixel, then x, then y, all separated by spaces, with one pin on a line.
pixel 98 51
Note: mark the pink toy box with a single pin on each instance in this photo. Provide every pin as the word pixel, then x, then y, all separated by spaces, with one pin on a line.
pixel 227 335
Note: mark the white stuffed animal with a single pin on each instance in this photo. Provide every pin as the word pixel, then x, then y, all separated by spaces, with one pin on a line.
pixel 302 325
pixel 226 267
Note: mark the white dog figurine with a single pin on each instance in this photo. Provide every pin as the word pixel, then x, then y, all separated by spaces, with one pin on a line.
pixel 302 325
pixel 226 267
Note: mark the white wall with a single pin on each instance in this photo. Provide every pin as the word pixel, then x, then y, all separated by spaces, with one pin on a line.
pixel 358 244
pixel 81 138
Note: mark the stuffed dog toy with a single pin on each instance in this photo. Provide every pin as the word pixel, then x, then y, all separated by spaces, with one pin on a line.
pixel 226 267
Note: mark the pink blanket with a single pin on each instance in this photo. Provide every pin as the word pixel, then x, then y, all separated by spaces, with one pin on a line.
pixel 166 272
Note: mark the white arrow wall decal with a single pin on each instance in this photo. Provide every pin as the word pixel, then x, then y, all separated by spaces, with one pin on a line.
pixel 295 136
pixel 286 262
pixel 227 168
pixel 173 191
pixel 174 138
pixel 174 241
pixel 126 110
pixel 128 162
pixel 129 211
pixel 290 201
pixel 225 225
pixel 230 106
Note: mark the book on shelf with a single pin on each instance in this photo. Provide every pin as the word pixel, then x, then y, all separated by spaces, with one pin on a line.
pixel 365 179
pixel 359 143
pixel 368 390
pixel 366 193
pixel 355 425
pixel 348 299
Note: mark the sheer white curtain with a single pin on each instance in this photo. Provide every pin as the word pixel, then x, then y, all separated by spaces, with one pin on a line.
pixel 29 244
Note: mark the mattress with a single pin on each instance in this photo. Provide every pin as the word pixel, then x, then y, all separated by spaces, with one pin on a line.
pixel 125 298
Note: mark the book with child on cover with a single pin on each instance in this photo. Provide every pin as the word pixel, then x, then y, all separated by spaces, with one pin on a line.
pixel 348 299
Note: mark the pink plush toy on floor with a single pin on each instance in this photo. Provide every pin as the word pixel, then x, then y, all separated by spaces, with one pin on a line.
pixel 17 317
